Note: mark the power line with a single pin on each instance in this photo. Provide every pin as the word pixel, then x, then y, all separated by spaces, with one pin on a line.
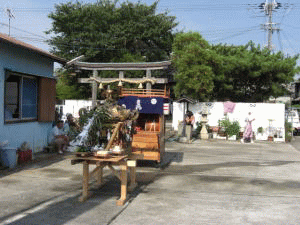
pixel 287 11
pixel 279 41
pixel 229 30
pixel 291 36
pixel 183 7
pixel 192 7
pixel 290 44
pixel 236 34
pixel 25 31
pixel 291 26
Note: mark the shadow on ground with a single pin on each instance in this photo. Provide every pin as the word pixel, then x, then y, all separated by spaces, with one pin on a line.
pixel 41 160
pixel 167 159
pixel 59 213
pixel 66 210
pixel 69 209
pixel 187 169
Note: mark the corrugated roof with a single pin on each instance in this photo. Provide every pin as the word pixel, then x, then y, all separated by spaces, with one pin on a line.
pixel 13 41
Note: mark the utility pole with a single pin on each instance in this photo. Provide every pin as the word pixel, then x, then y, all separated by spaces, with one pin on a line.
pixel 10 16
pixel 269 26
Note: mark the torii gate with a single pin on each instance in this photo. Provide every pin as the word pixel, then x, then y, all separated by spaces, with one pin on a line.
pixel 121 67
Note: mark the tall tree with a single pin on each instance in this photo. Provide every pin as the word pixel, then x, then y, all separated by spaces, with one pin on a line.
pixel 196 64
pixel 107 31
pixel 238 73
pixel 252 73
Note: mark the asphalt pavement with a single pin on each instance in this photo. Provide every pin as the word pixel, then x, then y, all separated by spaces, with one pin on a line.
pixel 205 182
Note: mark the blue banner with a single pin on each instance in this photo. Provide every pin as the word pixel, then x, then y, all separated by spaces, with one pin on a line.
pixel 151 105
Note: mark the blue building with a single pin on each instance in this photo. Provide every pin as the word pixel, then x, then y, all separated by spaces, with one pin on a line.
pixel 27 93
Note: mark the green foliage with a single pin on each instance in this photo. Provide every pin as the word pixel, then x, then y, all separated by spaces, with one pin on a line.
pixel 108 31
pixel 231 128
pixel 246 73
pixel 102 122
pixel 82 149
pixel 253 74
pixel 68 88
pixel 260 130
pixel 192 59
pixel 199 128
pixel 288 131
pixel 296 106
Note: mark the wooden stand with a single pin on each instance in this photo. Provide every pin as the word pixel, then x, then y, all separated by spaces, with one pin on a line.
pixel 121 161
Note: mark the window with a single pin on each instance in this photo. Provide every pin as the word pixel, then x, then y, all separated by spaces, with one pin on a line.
pixel 21 96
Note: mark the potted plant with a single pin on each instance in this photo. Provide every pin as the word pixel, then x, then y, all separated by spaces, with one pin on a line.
pixel 261 135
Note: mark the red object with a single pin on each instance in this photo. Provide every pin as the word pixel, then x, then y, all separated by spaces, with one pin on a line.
pixel 24 156
pixel 215 129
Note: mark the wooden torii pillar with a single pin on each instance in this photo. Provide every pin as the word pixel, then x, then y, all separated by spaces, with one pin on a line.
pixel 121 67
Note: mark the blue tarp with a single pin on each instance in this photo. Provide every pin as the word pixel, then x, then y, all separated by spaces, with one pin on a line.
pixel 151 105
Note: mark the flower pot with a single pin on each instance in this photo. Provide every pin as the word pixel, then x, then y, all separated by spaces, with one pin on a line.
pixel 215 129
pixel 232 138
pixel 261 137
pixel 270 138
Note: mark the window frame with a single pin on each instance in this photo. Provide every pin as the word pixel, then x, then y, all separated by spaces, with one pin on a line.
pixel 20 97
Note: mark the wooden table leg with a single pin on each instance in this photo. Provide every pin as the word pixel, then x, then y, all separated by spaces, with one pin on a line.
pixel 85 182
pixel 132 174
pixel 123 197
pixel 99 176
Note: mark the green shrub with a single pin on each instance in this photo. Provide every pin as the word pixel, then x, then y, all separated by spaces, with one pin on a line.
pixel 199 128
pixel 231 128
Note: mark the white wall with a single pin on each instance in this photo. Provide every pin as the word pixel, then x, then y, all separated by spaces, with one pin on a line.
pixel 262 112
pixel 73 106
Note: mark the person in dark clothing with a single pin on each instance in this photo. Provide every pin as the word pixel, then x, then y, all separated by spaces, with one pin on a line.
pixel 188 125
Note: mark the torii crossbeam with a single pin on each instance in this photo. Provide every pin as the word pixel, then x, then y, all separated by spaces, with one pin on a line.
pixel 121 67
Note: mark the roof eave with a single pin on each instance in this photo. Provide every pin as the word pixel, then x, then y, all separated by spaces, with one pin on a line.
pixel 31 48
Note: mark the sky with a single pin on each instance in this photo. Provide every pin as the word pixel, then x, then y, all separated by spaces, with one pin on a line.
pixel 232 22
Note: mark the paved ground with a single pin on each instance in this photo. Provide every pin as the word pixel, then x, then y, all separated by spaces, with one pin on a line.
pixel 206 182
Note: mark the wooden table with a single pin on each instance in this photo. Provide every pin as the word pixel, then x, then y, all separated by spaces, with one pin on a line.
pixel 122 161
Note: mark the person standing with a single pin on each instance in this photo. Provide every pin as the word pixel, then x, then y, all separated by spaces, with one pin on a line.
pixel 248 133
